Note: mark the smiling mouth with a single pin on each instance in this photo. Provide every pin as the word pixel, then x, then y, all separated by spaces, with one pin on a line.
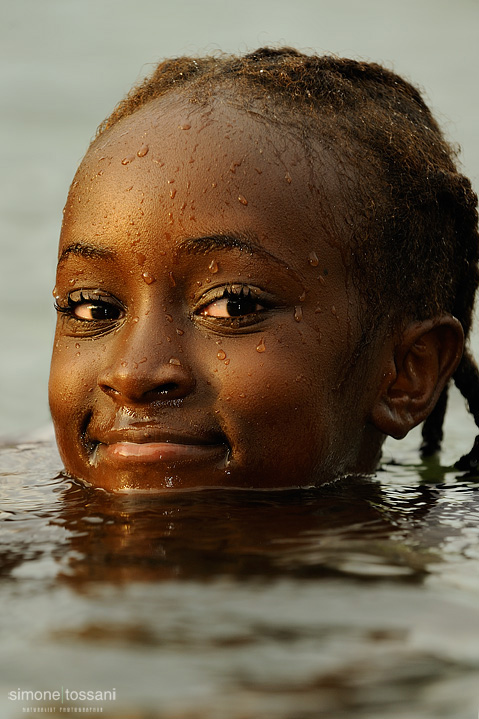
pixel 151 446
pixel 167 452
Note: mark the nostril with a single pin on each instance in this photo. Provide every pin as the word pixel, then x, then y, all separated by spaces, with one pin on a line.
pixel 166 389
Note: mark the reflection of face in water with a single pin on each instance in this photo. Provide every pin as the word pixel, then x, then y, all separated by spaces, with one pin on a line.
pixel 207 320
pixel 234 533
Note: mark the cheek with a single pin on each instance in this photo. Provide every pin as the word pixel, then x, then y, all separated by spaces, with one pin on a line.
pixel 271 395
pixel 73 375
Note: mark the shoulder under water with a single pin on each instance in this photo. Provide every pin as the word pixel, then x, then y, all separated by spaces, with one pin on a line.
pixel 360 598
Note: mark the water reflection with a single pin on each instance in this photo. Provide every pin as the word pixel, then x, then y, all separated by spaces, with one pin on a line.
pixel 358 599
pixel 348 527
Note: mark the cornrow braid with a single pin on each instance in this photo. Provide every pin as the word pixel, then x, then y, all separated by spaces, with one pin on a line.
pixel 415 243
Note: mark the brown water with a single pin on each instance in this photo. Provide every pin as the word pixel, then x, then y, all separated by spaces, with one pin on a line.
pixel 356 600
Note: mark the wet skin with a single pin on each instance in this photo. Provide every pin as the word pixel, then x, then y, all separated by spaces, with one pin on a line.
pixel 206 317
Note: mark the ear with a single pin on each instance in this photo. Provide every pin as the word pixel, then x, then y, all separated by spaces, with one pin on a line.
pixel 415 371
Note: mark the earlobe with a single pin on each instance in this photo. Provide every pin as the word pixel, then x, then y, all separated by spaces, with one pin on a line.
pixel 415 371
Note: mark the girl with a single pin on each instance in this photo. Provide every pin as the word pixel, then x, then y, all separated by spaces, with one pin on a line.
pixel 267 265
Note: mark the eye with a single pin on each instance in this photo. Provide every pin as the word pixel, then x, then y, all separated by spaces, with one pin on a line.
pixel 235 307
pixel 234 303
pixel 92 306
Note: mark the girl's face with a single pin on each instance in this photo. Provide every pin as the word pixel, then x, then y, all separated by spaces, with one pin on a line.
pixel 206 317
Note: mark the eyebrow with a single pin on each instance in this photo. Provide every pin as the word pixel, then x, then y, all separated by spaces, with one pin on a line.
pixel 81 249
pixel 245 241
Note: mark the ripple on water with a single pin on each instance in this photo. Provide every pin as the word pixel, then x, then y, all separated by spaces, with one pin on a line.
pixel 360 598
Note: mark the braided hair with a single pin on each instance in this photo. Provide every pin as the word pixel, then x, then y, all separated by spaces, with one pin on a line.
pixel 415 247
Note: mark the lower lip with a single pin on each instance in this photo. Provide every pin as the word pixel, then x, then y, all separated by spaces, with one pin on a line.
pixel 167 452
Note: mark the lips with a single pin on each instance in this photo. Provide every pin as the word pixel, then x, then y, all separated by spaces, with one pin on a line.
pixel 150 444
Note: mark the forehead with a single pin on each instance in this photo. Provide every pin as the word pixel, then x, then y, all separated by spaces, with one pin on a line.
pixel 201 169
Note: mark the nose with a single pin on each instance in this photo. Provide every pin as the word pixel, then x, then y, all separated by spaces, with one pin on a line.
pixel 142 371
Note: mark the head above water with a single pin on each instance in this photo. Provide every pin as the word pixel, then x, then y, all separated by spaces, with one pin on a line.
pixel 267 264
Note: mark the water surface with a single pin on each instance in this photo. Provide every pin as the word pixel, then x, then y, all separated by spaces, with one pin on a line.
pixel 359 599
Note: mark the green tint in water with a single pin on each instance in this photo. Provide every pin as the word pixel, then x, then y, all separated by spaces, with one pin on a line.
pixel 356 600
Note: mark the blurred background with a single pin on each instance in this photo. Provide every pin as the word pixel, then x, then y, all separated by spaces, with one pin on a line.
pixel 65 64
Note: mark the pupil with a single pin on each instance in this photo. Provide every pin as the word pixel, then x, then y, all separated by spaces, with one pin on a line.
pixel 102 312
pixel 240 306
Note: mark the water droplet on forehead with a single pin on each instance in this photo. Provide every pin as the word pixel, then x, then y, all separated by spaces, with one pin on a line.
pixel 175 361
pixel 127 160
pixel 171 277
pixel 172 193
pixel 143 151
pixel 313 259
pixel 149 279
pixel 179 332
pixel 141 258
pixel 261 346
pixel 242 199
pixel 185 127
pixel 298 313
pixel 288 179
pixel 169 317
pixel 213 266
pixel 221 355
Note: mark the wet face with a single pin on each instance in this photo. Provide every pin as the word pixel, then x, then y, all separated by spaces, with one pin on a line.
pixel 206 318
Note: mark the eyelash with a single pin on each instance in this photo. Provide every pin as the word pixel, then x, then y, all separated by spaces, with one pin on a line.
pixel 237 293
pixel 260 302
pixel 94 298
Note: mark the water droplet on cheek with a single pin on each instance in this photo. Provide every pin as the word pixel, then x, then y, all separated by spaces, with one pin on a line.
pixel 179 332
pixel 213 266
pixel 298 313
pixel 221 355
pixel 149 279
pixel 172 193
pixel 141 258
pixel 313 259
pixel 172 279
pixel 127 160
pixel 185 127
pixel 175 361
pixel 242 199
pixel 261 347
pixel 143 151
